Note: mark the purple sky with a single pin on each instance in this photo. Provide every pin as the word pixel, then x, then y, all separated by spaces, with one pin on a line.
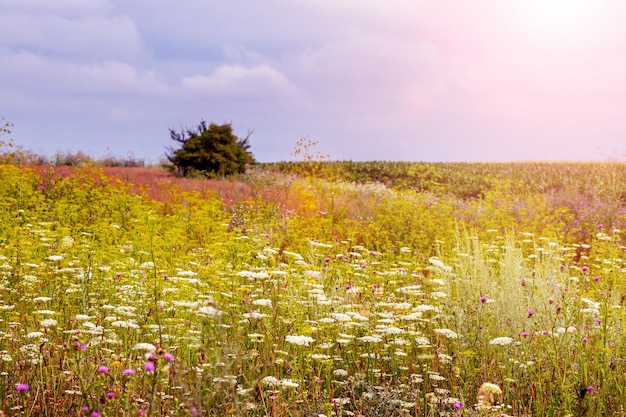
pixel 430 80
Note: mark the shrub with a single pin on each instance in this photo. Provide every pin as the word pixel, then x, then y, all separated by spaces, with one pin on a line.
pixel 211 150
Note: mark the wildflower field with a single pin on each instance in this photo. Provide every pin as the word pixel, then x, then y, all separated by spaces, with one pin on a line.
pixel 288 292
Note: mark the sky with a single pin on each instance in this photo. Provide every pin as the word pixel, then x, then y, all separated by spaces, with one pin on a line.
pixel 407 80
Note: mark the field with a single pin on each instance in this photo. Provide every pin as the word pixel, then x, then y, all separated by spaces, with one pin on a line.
pixel 320 289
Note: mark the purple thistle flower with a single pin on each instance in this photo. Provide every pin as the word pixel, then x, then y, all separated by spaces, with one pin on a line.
pixel 103 370
pixel 590 388
pixel 129 371
pixel 168 357
pixel 22 387
pixel 149 367
pixel 483 299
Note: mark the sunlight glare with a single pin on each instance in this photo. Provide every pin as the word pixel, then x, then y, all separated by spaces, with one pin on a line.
pixel 558 19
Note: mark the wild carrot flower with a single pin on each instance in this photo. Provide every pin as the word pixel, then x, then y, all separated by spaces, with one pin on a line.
pixel 270 381
pixel 501 341
pixel 299 340
pixel 447 333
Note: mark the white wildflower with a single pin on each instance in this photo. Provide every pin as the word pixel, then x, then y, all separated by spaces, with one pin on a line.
pixel 341 317
pixel 447 333
pixel 393 330
pixel 262 302
pixel 255 315
pixel 46 312
pixel 371 339
pixel 270 381
pixel 505 340
pixel 149 347
pixel 209 311
pixel 320 245
pixel 320 356
pixel 130 324
pixel 422 341
pixel 288 383
pixel 48 323
pixel 299 340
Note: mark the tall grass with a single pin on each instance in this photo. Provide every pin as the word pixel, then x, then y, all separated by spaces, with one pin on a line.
pixel 302 297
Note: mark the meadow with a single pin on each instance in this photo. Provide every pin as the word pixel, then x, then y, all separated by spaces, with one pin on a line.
pixel 321 289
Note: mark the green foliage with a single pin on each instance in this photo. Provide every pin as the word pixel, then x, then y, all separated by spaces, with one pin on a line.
pixel 326 298
pixel 212 150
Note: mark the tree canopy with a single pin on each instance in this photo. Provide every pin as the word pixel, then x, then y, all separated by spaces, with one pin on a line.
pixel 212 150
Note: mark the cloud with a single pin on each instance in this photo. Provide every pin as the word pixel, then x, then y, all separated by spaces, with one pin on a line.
pixel 57 7
pixel 240 81
pixel 35 74
pixel 93 37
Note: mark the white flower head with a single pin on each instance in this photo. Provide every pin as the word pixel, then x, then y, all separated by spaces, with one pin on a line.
pixel 299 340
pixel 505 340
pixel 264 302
pixel 48 323
pixel 447 333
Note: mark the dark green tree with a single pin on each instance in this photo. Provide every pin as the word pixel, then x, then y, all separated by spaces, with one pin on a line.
pixel 211 150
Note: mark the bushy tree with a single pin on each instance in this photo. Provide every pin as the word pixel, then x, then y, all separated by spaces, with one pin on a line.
pixel 211 150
